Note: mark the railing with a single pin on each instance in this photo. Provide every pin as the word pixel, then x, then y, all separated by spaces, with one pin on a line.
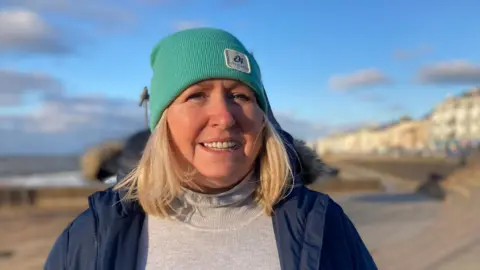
pixel 56 196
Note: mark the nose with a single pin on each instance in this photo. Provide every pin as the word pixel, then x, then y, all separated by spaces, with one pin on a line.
pixel 221 113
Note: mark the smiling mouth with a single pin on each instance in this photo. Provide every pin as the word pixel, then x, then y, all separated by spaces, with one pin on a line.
pixel 222 146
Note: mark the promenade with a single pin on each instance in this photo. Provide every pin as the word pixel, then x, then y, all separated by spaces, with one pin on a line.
pixel 403 230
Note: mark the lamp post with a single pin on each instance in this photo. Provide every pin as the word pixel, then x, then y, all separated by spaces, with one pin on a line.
pixel 144 98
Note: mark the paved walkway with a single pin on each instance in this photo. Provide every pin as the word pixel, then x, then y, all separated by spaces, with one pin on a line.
pixel 406 231
pixel 449 243
pixel 29 235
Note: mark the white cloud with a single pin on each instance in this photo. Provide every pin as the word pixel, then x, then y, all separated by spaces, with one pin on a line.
pixel 358 79
pixel 450 72
pixel 106 11
pixel 77 114
pixel 300 128
pixel 14 85
pixel 370 97
pixel 60 123
pixel 69 124
pixel 25 31
pixel 308 130
pixel 29 30
pixel 407 54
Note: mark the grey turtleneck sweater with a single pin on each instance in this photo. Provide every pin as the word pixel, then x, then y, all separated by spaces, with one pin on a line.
pixel 222 231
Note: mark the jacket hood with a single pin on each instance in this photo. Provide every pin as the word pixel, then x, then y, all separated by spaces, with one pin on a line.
pixel 98 162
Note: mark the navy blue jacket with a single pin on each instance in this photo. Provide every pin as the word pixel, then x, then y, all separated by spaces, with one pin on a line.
pixel 311 230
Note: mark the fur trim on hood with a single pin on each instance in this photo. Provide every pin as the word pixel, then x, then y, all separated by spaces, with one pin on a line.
pixel 124 157
pixel 311 166
pixel 99 162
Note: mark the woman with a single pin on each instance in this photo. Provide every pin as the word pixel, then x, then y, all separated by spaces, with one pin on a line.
pixel 218 185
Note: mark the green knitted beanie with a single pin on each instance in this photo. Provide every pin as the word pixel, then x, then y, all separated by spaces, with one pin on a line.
pixel 189 56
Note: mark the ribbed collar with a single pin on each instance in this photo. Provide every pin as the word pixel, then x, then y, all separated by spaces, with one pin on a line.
pixel 227 210
pixel 230 198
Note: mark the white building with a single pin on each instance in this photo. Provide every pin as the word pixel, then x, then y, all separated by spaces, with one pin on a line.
pixel 457 119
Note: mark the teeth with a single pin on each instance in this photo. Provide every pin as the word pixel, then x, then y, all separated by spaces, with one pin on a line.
pixel 220 145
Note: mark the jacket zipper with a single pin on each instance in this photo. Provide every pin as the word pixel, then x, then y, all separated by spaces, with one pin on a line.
pixel 95 233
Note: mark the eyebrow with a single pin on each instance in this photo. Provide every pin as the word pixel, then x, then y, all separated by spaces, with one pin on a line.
pixel 204 83
pixel 230 84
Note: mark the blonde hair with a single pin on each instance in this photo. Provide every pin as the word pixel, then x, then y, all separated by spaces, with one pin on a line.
pixel 156 180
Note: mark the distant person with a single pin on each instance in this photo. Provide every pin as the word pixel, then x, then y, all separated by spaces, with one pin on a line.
pixel 432 187
pixel 218 185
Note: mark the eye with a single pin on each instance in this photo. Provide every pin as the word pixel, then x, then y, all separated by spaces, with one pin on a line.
pixel 241 97
pixel 196 96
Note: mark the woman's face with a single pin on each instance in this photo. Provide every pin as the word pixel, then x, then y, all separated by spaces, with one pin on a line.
pixel 217 127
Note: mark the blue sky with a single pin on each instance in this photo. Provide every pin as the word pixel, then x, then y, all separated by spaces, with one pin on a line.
pixel 327 65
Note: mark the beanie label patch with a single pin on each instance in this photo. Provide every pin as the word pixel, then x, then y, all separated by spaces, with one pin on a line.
pixel 237 61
